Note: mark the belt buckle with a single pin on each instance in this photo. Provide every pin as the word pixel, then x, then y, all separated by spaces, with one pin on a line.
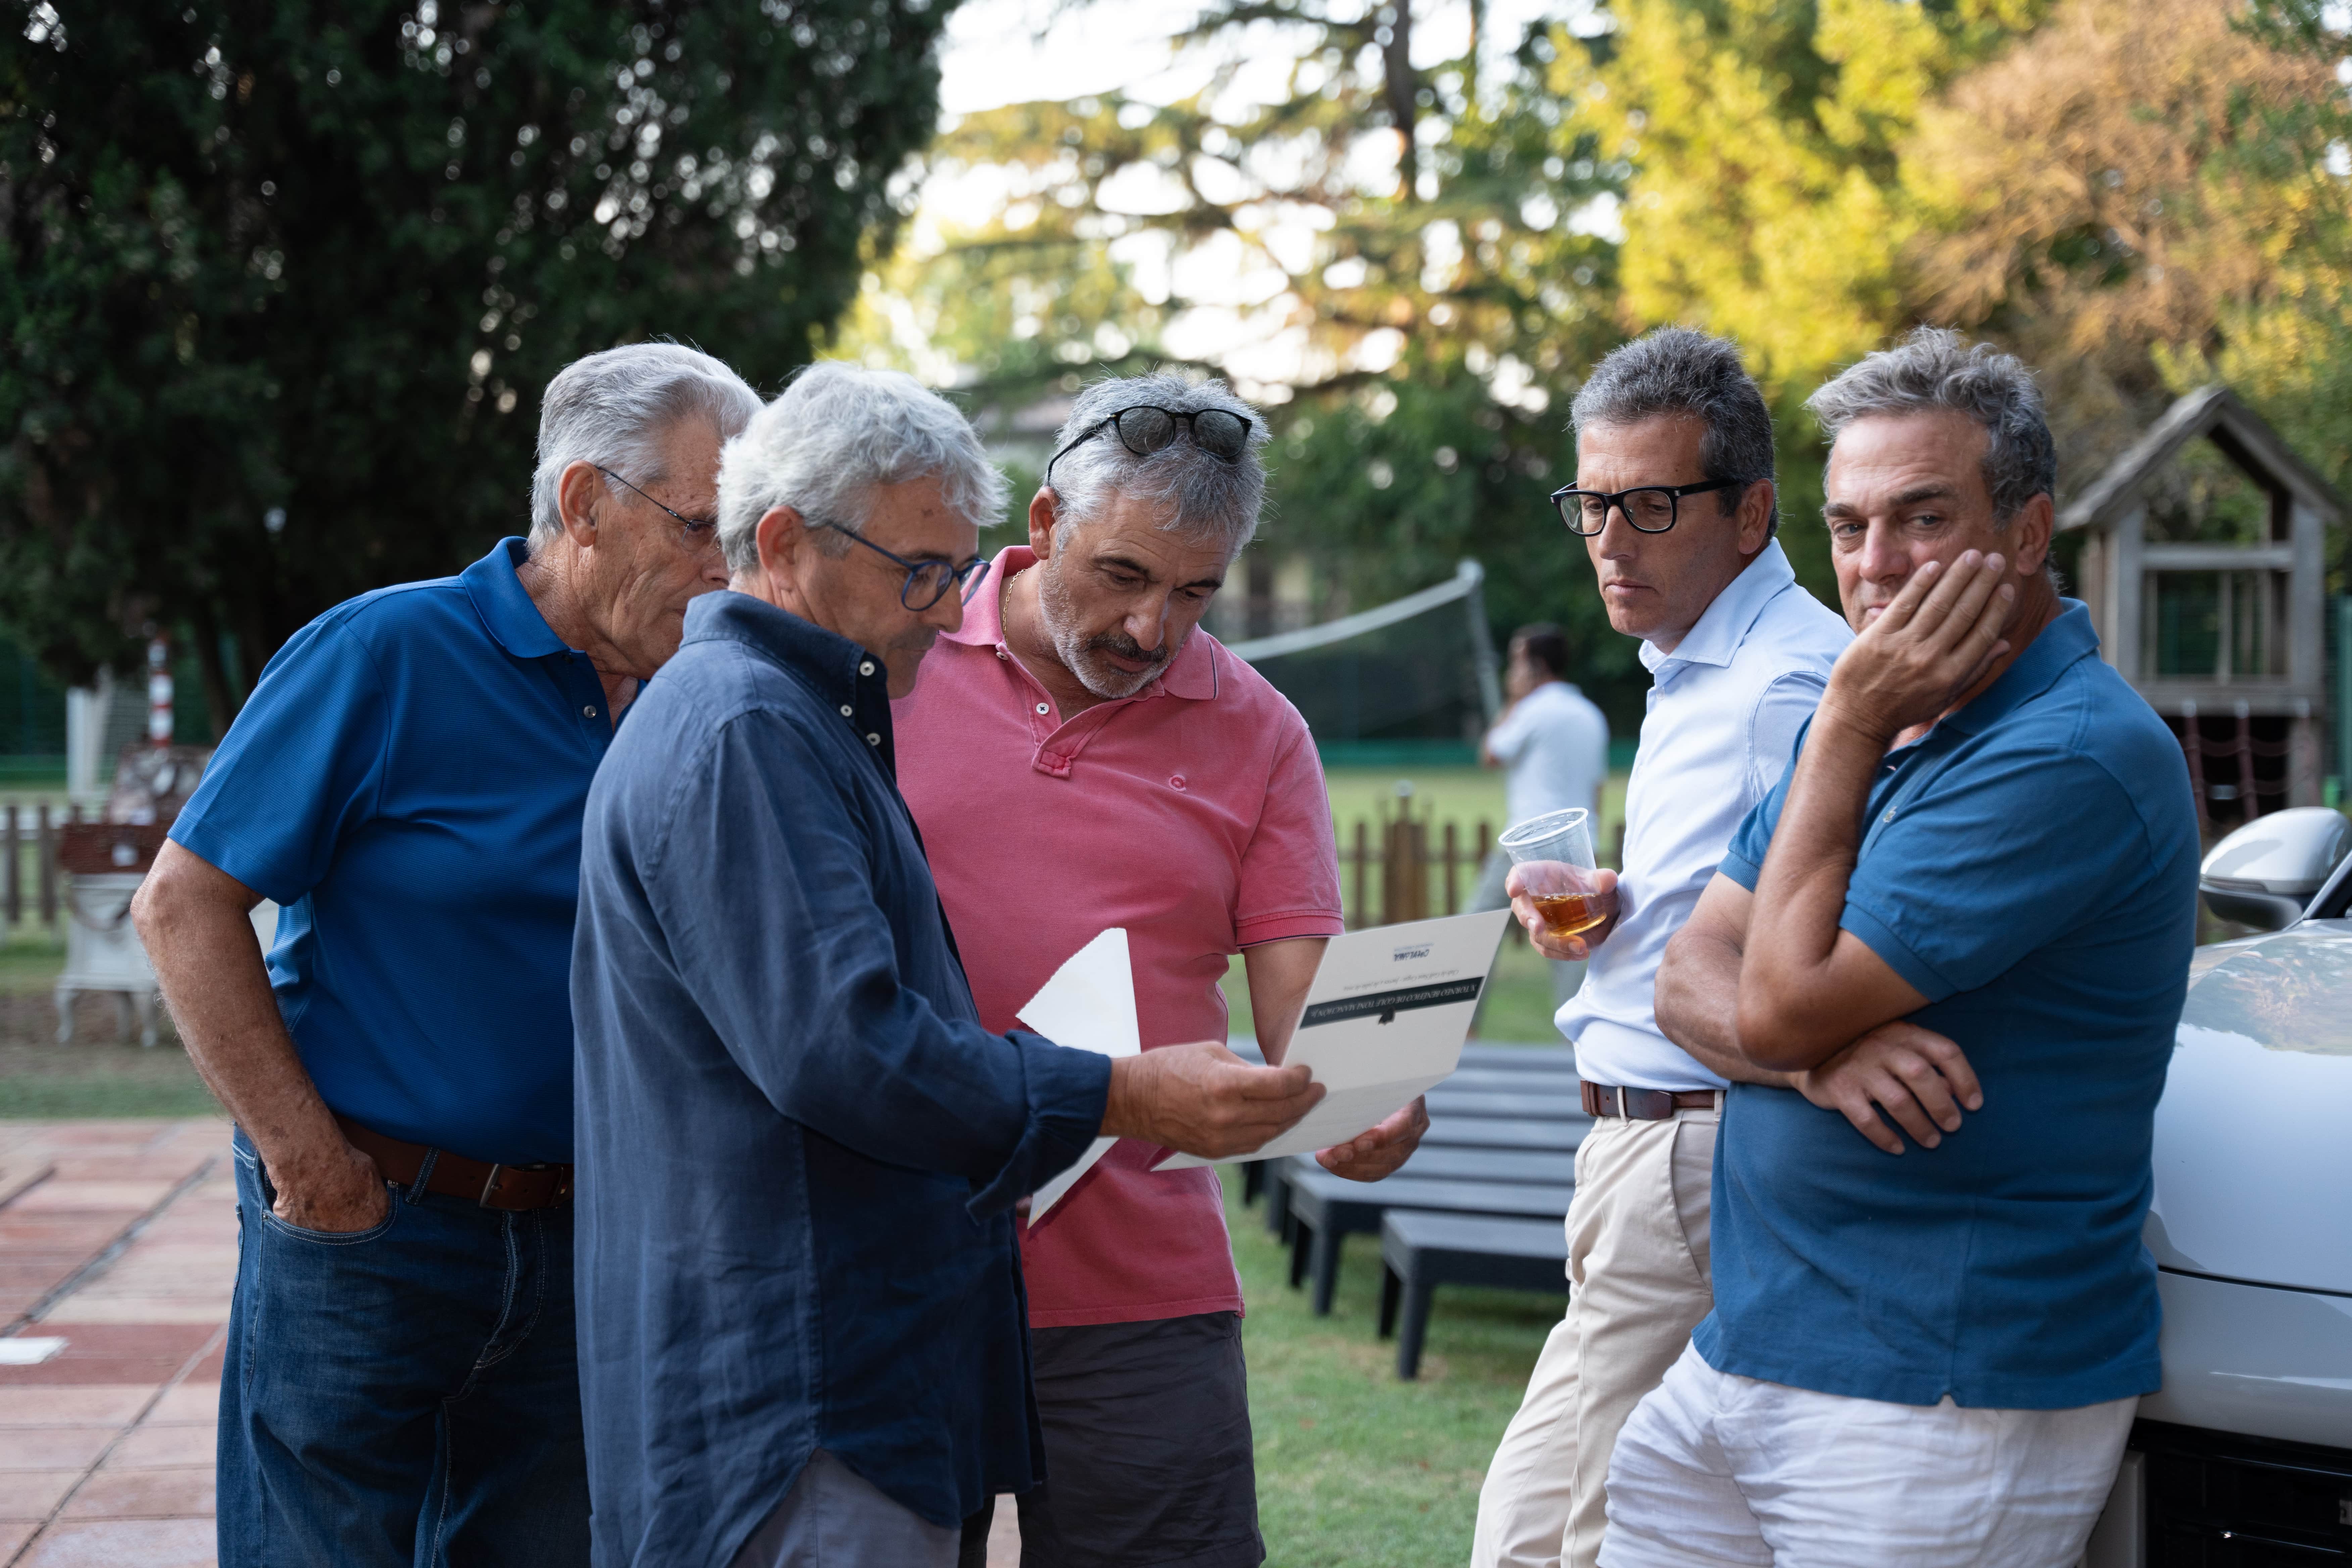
pixel 489 1186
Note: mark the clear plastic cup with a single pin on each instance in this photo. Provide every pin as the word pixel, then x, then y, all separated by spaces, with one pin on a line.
pixel 1554 856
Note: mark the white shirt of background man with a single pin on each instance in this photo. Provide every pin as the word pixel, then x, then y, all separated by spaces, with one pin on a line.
pixel 1725 709
pixel 1556 744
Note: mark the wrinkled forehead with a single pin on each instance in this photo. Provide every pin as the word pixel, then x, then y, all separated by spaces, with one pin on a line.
pixel 1888 460
pixel 1148 534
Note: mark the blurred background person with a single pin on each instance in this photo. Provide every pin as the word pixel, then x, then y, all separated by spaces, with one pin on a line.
pixel 1554 746
pixel 407 783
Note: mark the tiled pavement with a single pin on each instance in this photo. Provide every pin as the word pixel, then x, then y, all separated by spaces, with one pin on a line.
pixel 120 1238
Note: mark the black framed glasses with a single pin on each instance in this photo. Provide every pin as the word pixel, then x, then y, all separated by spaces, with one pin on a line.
pixel 696 533
pixel 1651 508
pixel 1147 427
pixel 927 582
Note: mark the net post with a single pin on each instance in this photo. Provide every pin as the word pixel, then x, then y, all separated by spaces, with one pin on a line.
pixel 1482 639
pixel 14 892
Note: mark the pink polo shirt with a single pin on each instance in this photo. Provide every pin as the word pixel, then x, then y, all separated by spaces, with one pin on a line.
pixel 1193 815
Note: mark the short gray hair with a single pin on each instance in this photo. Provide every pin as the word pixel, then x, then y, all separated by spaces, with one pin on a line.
pixel 1676 372
pixel 613 409
pixel 833 436
pixel 1937 369
pixel 1199 492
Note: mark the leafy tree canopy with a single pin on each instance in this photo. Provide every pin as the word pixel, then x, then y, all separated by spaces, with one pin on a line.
pixel 280 281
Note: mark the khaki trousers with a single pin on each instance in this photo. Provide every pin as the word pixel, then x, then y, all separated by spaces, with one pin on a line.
pixel 1638 1284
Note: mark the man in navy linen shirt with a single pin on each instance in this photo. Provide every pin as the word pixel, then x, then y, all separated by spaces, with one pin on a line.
pixel 802 1324
pixel 406 782
pixel 1987 836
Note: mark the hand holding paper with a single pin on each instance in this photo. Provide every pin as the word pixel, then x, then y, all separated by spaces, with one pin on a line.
pixel 1385 1020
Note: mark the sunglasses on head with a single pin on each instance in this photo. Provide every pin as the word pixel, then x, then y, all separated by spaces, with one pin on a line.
pixel 1147 428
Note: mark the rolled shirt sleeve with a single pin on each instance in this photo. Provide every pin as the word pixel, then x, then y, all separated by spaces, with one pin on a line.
pixel 767 886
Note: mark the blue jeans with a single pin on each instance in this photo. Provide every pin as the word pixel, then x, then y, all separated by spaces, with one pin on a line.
pixel 402 1397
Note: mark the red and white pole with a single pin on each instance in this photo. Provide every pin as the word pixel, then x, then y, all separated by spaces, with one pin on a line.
pixel 159 690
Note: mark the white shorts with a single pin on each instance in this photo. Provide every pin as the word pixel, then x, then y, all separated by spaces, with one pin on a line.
pixel 1717 1469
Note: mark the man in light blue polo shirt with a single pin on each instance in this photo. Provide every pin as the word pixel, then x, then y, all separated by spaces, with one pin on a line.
pixel 406 782
pixel 1931 1355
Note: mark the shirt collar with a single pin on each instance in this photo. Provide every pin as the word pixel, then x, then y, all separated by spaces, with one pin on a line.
pixel 1193 676
pixel 842 674
pixel 2062 643
pixel 1723 625
pixel 514 622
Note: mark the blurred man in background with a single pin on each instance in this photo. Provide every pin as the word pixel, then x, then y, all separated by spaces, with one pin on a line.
pixel 1674 500
pixel 1080 750
pixel 406 782
pixel 1555 745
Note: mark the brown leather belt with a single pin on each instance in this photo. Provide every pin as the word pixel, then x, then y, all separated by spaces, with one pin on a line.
pixel 512 1187
pixel 1644 1104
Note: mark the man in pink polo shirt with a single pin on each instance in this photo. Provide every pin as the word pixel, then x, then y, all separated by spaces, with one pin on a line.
pixel 1080 755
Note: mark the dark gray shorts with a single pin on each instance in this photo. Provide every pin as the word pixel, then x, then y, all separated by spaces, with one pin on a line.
pixel 1148 1459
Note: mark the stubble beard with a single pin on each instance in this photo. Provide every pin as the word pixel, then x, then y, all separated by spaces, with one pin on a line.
pixel 1082 656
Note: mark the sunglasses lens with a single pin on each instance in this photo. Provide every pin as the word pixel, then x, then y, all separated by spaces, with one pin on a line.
pixel 1220 434
pixel 1144 431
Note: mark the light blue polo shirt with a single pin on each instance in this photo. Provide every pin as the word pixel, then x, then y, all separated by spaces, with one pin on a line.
pixel 407 779
pixel 2030 866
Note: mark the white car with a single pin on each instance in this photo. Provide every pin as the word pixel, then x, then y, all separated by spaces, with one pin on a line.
pixel 2244 1460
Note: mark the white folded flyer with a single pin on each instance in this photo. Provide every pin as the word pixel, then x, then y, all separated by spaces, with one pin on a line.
pixel 1385 1020
pixel 1089 1004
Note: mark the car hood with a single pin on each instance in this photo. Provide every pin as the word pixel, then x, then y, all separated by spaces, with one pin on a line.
pixel 2253 1137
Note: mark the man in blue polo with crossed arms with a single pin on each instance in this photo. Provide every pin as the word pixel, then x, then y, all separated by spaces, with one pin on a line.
pixel 1930 1355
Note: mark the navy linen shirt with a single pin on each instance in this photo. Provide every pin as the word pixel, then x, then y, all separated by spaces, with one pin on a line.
pixel 406 781
pixel 2029 866
pixel 798 1147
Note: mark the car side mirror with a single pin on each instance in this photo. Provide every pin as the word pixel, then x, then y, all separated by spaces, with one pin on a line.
pixel 2265 874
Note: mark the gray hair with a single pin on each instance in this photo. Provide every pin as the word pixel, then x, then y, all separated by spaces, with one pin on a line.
pixel 833 434
pixel 613 408
pixel 1936 368
pixel 1199 492
pixel 1675 371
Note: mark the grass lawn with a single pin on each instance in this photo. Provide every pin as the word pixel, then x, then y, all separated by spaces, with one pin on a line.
pixel 1355 1468
pixel 100 1074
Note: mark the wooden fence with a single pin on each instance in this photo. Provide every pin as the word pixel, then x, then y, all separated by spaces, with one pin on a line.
pixel 1408 867
pixel 29 865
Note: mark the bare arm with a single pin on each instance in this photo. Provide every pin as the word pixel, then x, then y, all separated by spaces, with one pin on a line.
pixel 195 921
pixel 1807 987
pixel 1698 984
pixel 1915 1075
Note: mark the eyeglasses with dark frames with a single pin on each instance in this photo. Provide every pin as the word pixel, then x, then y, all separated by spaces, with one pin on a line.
pixel 1651 508
pixel 1147 427
pixel 696 533
pixel 927 582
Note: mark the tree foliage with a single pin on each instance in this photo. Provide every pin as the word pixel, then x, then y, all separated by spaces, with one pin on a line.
pixel 282 281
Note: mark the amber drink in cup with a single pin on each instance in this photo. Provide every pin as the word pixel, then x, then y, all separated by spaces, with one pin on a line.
pixel 1554 856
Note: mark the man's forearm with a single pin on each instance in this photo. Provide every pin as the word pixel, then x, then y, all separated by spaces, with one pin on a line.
pixel 1698 1005
pixel 210 968
pixel 1786 1001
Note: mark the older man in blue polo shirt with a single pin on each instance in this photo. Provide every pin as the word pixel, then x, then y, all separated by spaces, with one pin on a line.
pixel 407 782
pixel 1930 1355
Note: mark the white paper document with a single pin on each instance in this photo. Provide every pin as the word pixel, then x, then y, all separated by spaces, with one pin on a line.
pixel 1385 1020
pixel 1089 1004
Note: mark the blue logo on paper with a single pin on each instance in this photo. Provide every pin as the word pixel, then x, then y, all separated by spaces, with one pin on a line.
pixel 1404 955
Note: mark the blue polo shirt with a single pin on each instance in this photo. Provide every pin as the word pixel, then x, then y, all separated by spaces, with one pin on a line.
pixel 2030 866
pixel 407 781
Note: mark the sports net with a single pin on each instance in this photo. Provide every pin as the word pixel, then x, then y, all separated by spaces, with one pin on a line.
pixel 1419 668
